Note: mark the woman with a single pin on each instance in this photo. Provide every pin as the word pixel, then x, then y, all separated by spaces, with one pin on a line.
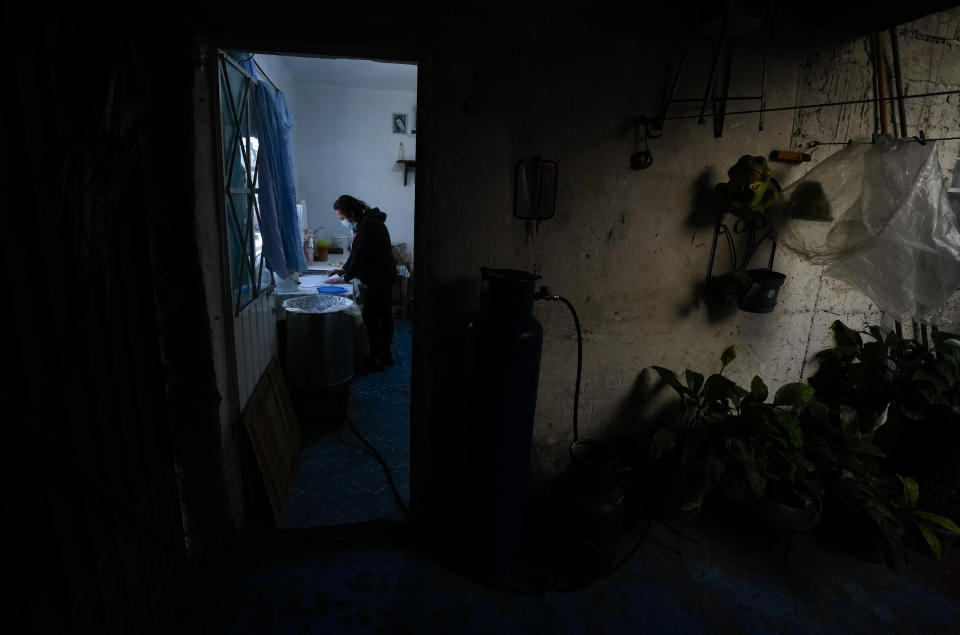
pixel 371 260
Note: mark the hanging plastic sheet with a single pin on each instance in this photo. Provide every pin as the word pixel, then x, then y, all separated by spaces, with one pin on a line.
pixel 279 225
pixel 877 215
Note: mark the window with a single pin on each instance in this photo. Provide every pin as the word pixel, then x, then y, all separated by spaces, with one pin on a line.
pixel 240 176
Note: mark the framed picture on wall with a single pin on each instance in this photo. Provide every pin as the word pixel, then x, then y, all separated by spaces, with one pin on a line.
pixel 399 123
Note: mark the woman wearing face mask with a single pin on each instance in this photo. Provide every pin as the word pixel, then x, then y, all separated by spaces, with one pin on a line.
pixel 371 260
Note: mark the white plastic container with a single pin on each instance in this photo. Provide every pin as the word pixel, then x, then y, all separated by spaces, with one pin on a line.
pixel 341 241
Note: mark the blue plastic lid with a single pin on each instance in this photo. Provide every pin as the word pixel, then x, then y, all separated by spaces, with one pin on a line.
pixel 331 290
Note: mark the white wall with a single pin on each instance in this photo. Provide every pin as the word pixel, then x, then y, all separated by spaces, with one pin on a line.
pixel 344 144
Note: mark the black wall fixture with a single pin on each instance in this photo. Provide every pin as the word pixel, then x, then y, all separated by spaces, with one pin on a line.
pixel 643 159
pixel 535 189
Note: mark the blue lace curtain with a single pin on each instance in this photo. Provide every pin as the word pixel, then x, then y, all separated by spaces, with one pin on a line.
pixel 279 228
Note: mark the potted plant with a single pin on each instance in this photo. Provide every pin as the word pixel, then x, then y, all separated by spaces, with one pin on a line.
pixel 728 435
pixel 927 523
pixel 868 510
pixel 912 392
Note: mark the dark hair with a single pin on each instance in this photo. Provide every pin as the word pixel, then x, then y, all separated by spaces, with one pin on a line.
pixel 352 208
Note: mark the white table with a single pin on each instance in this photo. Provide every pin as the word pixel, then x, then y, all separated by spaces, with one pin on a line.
pixel 308 286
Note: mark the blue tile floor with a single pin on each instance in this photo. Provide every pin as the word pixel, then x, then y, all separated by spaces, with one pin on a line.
pixel 338 481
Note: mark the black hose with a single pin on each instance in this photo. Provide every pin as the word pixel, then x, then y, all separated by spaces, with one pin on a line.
pixel 386 468
pixel 553 585
pixel 576 393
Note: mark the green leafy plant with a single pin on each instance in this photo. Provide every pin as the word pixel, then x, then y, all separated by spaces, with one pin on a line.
pixel 890 370
pixel 864 502
pixel 726 429
pixel 847 467
pixel 923 520
pixel 913 392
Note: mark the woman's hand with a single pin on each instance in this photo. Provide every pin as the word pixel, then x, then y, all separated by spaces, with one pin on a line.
pixel 333 279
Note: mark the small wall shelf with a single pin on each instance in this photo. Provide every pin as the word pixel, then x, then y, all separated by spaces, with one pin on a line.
pixel 408 164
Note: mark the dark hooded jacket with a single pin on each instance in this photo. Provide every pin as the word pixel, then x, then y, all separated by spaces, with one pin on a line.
pixel 371 257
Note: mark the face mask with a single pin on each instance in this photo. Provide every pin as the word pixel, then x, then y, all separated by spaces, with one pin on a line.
pixel 345 222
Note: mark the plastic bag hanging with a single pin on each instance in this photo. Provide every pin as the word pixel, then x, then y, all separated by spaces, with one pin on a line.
pixel 890 231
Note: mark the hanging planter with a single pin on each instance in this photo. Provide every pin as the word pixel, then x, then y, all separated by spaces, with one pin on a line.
pixel 748 194
pixel 759 290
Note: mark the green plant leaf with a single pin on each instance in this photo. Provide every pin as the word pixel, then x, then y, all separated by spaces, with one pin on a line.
pixel 940 336
pixel 740 451
pixel 875 333
pixel 663 441
pixel 719 388
pixel 728 355
pixel 844 352
pixel 819 412
pixel 670 377
pixel 911 491
pixel 795 394
pixel 912 404
pixel 932 539
pixel 937 381
pixel 865 447
pixel 694 381
pixel 791 427
pixel 713 418
pixel 937 519
pixel 716 465
pixel 803 462
pixel 758 389
pixel 845 335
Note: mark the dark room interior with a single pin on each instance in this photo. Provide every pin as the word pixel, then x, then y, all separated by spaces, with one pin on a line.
pixel 591 185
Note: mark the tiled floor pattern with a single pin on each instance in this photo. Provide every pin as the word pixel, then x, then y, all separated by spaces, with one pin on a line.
pixel 337 480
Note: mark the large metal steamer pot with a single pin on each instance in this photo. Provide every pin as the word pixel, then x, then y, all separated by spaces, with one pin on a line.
pixel 319 341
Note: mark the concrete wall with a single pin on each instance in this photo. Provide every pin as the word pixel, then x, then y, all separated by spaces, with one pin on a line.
pixel 834 69
pixel 344 144
pixel 630 248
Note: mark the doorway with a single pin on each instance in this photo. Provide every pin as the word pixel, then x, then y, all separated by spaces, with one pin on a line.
pixel 354 132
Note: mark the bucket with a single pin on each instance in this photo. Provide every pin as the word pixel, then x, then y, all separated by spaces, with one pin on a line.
pixel 594 506
pixel 761 297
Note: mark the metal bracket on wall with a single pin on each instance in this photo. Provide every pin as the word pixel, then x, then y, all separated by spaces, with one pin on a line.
pixel 749 225
pixel 642 159
pixel 719 99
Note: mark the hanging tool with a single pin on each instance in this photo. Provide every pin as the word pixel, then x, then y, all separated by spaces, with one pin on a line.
pixel 641 159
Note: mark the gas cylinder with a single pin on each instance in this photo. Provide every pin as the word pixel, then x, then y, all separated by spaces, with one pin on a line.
pixel 503 403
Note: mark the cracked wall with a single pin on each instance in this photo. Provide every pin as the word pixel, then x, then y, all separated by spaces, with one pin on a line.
pixel 630 248
pixel 839 71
